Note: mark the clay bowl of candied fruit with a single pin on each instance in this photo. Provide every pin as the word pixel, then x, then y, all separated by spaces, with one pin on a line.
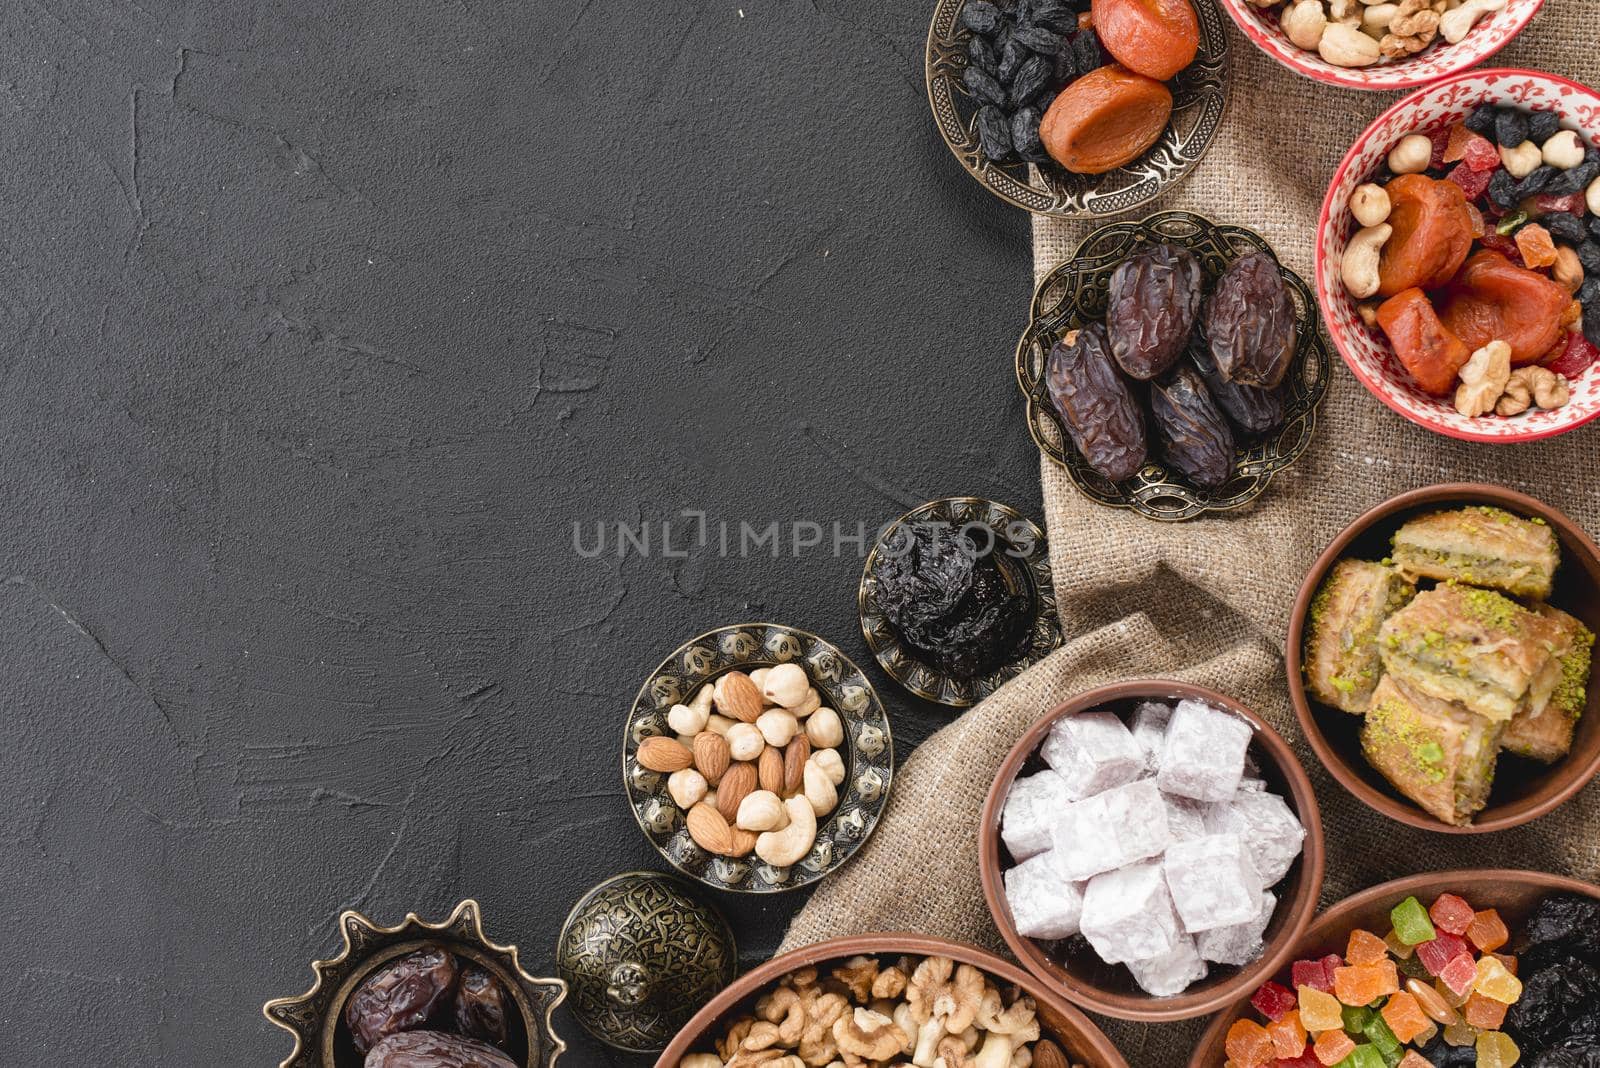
pixel 1458 256
pixel 1151 850
pixel 1468 966
pixel 1439 658
pixel 850 973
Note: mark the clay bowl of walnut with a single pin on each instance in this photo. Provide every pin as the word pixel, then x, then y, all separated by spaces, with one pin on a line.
pixel 889 999
pixel 757 758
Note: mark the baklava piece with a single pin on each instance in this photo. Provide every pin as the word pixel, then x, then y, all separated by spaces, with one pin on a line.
pixel 1547 735
pixel 1483 651
pixel 1480 546
pixel 1341 647
pixel 1433 752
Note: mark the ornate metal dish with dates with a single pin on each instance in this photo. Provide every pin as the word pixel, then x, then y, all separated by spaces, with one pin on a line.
pixel 1020 548
pixel 868 752
pixel 1075 293
pixel 1200 96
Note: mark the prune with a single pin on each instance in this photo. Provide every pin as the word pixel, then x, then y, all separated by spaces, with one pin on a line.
pixel 1510 128
pixel 1012 54
pixel 1025 133
pixel 1094 401
pixel 981 54
pixel 982 86
pixel 980 16
pixel 1196 438
pixel 401 996
pixel 1566 923
pixel 1551 997
pixel 481 1005
pixel 1574 180
pixel 994 132
pixel 432 1049
pixel 1038 39
pixel 1031 78
pixel 1152 301
pixel 1086 52
pixel 1482 119
pixel 1570 1053
pixel 1536 181
pixel 1566 227
pixel 1542 125
pixel 1503 190
pixel 1055 15
pixel 1252 409
pixel 1249 322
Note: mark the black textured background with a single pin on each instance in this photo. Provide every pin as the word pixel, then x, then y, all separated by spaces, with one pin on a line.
pixel 321 323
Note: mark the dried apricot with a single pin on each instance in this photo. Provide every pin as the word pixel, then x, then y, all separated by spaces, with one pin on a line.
pixel 1156 38
pixel 1432 234
pixel 1427 347
pixel 1105 119
pixel 1492 298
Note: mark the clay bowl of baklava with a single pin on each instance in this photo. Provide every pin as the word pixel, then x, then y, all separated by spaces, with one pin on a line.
pixel 1439 658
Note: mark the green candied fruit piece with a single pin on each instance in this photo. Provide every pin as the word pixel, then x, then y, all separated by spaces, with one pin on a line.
pixel 1356 1018
pixel 1364 1056
pixel 1411 923
pixel 1378 1033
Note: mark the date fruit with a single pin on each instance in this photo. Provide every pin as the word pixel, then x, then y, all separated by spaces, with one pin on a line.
pixel 1098 408
pixel 481 1005
pixel 401 996
pixel 1196 438
pixel 433 1049
pixel 1153 299
pixel 1249 323
pixel 1252 409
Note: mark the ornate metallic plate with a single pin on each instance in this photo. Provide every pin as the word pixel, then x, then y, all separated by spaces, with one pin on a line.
pixel 315 1018
pixel 1075 293
pixel 869 759
pixel 1199 97
pixel 1032 573
pixel 641 956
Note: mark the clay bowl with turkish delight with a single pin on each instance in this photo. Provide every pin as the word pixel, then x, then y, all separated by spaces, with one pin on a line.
pixel 1485 967
pixel 1439 658
pixel 889 999
pixel 1151 850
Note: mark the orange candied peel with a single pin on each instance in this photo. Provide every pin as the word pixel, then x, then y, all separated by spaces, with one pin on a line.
pixel 1365 948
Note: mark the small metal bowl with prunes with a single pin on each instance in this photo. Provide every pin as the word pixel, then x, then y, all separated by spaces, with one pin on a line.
pixel 421 995
pixel 1173 366
pixel 956 599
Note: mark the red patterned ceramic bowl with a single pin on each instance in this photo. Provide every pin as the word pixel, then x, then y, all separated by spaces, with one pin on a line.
pixel 1492 33
pixel 1364 348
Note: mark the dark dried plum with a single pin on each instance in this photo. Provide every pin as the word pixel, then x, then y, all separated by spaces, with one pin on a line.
pixel 1025 133
pixel 1552 995
pixel 1567 923
pixel 1575 180
pixel 1542 125
pixel 1252 409
pixel 981 54
pixel 481 1005
pixel 1086 52
pixel 982 86
pixel 980 16
pixel 432 1049
pixel 1031 77
pixel 1441 1054
pixel 1012 54
pixel 1566 227
pixel 1038 39
pixel 994 133
pixel 401 996
pixel 1094 402
pixel 1152 301
pixel 1570 1053
pixel 1250 323
pixel 1510 128
pixel 1196 438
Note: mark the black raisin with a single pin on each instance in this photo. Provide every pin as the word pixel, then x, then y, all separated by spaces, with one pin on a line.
pixel 1510 128
pixel 981 54
pixel 1065 66
pixel 980 16
pixel 1025 132
pixel 1086 52
pixel 982 86
pixel 1503 190
pixel 1594 225
pixel 1011 56
pixel 1046 98
pixel 1589 256
pixel 1575 180
pixel 1536 181
pixel 1022 13
pixel 994 133
pixel 1055 15
pixel 1031 77
pixel 1542 125
pixel 1038 39
pixel 1481 121
pixel 1566 227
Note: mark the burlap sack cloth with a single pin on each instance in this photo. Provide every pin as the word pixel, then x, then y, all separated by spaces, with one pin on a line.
pixel 1208 600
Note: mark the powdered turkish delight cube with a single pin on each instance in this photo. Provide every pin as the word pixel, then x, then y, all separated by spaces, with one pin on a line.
pixel 1136 816
pixel 1128 914
pixel 1032 807
pixel 1043 904
pixel 1213 882
pixel 1269 827
pixel 1092 752
pixel 1203 755
pixel 1109 830
pixel 1149 730
pixel 1241 943
pixel 1186 817
pixel 1172 972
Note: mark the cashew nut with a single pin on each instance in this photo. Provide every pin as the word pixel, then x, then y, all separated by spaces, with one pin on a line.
pixel 831 763
pixel 1455 24
pixel 1359 265
pixel 1412 155
pixel 687 787
pixel 1343 10
pixel 700 1060
pixel 778 727
pixel 1522 160
pixel 1484 379
pixel 824 729
pixel 1346 46
pixel 761 810
pixel 1563 150
pixel 1304 23
pixel 1591 197
pixel 1369 203
pixel 686 719
pixel 786 685
pixel 1376 19
pixel 745 741
pixel 1567 271
pixel 788 846
pixel 819 790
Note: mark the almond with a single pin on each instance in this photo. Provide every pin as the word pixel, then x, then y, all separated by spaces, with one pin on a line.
pixel 738 698
pixel 744 843
pixel 795 756
pixel 1046 1054
pixel 664 754
pixel 769 770
pixel 711 755
pixel 738 783
pixel 708 829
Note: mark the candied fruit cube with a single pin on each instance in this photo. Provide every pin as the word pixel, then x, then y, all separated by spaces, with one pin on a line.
pixel 1355 1018
pixel 1382 1038
pixel 1333 1046
pixel 1248 1044
pixel 1426 1036
pixel 1432 1003
pixel 1492 980
pixel 1439 951
pixel 1362 984
pixel 1460 975
pixel 1537 247
pixel 1404 1016
pixel 1320 1011
pixel 1317 973
pixel 1367 1056
pixel 1496 1050
pixel 1413 1059
pixel 1508 960
pixel 1365 948
pixel 1484 1012
pixel 1288 1035
pixel 1487 931
pixel 1306 1058
pixel 1402 950
pixel 1411 923
pixel 1451 913
pixel 1473 182
pixel 1272 1000
pixel 1451 998
pixel 1461 1034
